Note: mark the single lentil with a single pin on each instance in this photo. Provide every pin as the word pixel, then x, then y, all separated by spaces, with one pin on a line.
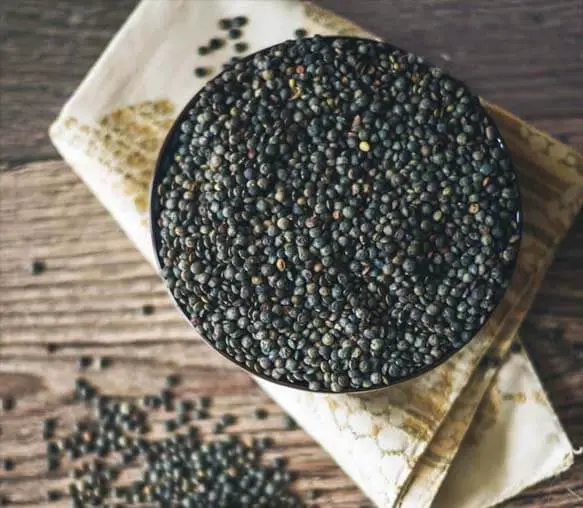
pixel 7 403
pixel 240 21
pixel 289 423
pixel 261 413
pixel 104 362
pixel 235 33
pixel 172 380
pixel 228 419
pixel 216 43
pixel 37 266
pixel 84 362
pixel 241 47
pixel 54 495
pixel 48 428
pixel 201 72
pixel 225 24
pixel 148 309
pixel 51 348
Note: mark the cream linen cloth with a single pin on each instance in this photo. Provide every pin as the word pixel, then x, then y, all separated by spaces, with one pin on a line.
pixel 402 444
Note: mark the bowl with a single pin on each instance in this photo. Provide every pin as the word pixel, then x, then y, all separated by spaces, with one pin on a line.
pixel 166 158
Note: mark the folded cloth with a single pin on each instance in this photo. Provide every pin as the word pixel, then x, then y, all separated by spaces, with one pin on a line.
pixel 397 444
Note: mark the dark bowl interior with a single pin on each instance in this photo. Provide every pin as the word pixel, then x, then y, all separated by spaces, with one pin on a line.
pixel 166 157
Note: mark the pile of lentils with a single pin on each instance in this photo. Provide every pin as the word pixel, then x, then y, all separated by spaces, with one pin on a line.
pixel 336 214
pixel 182 469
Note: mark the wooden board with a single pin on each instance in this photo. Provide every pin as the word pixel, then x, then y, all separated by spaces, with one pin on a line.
pixel 495 45
pixel 89 302
pixel 90 298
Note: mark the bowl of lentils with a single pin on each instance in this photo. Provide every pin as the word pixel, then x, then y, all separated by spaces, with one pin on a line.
pixel 334 214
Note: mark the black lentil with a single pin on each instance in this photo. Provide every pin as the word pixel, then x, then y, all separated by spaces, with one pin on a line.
pixel 48 428
pixel 170 425
pixel 216 43
pixel 172 380
pixel 54 495
pixel 7 403
pixel 225 24
pixel 203 50
pixel 104 362
pixel 228 419
pixel 51 348
pixel 204 402
pixel 260 413
pixel 83 362
pixel 300 33
pixel 37 266
pixel 311 494
pixel 289 423
pixel 240 21
pixel 201 72
pixel 181 469
pixel 235 33
pixel 241 47
pixel 199 414
pixel 8 464
pixel 343 159
pixel 148 309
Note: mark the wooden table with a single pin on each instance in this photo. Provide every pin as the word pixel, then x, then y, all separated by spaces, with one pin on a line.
pixel 90 299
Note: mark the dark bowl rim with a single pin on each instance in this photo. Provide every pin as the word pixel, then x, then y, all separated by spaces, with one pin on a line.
pixel 165 156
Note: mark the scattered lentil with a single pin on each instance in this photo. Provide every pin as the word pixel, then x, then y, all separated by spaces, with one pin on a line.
pixel 172 380
pixel 8 403
pixel 84 362
pixel 241 47
pixel 216 43
pixel 201 72
pixel 104 362
pixel 235 33
pixel 311 494
pixel 240 21
pixel 48 428
pixel 54 495
pixel 289 423
pixel 225 24
pixel 204 402
pixel 37 266
pixel 148 309
pixel 261 413
pixel 300 33
pixel 228 419
pixel 51 347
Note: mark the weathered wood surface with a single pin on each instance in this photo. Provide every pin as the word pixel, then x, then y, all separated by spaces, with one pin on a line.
pixel 525 56
pixel 89 302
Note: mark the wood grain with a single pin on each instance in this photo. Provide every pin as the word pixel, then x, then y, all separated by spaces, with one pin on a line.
pixel 525 56
pixel 89 302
